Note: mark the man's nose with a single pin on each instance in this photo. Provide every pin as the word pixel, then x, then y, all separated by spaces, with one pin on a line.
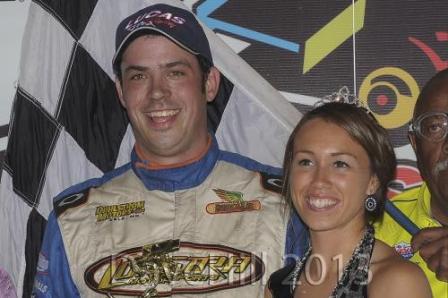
pixel 159 88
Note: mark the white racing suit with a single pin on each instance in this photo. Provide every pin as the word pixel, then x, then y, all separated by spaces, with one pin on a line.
pixel 212 228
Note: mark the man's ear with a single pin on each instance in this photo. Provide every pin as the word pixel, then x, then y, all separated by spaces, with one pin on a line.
pixel 412 140
pixel 120 92
pixel 212 84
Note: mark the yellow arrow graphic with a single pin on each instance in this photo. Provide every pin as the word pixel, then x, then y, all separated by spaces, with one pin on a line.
pixel 332 35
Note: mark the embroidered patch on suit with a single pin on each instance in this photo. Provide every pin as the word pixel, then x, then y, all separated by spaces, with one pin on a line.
pixel 173 267
pixel 116 212
pixel 233 202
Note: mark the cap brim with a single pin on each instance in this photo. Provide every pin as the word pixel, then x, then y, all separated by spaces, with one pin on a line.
pixel 123 45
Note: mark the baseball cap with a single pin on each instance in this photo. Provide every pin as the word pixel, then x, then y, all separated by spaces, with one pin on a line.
pixel 177 24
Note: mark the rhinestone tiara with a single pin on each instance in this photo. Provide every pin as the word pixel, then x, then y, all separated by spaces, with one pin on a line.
pixel 343 96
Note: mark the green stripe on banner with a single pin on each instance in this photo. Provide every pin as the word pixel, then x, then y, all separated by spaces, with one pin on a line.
pixel 332 35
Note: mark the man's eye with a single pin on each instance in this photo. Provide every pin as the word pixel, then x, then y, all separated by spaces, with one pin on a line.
pixel 340 164
pixel 137 76
pixel 435 127
pixel 176 74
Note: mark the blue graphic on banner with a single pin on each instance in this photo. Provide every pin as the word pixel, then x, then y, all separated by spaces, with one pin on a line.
pixel 209 6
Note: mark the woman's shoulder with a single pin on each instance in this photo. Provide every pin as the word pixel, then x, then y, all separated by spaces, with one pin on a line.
pixel 393 276
pixel 384 254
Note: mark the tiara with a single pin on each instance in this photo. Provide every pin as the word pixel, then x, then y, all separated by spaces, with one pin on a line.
pixel 344 96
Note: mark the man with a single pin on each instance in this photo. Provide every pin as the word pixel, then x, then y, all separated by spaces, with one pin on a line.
pixel 183 217
pixel 427 205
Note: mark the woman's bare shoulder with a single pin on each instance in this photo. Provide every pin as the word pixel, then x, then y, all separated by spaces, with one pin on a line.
pixel 393 276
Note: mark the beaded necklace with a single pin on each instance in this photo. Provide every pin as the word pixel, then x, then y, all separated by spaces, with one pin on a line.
pixel 355 276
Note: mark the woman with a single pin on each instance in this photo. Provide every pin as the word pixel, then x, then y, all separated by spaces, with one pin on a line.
pixel 338 163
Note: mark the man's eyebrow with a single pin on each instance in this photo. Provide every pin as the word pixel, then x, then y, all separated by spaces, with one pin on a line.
pixel 176 63
pixel 134 67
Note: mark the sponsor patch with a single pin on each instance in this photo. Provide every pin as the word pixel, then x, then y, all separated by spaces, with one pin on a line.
pixel 272 183
pixel 233 202
pixel 173 267
pixel 42 264
pixel 70 201
pixel 404 249
pixel 153 18
pixel 121 211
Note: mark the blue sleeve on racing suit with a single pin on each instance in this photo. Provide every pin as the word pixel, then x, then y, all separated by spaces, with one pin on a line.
pixel 53 278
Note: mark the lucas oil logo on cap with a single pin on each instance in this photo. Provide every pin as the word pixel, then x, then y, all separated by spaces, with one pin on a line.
pixel 154 18
pixel 173 267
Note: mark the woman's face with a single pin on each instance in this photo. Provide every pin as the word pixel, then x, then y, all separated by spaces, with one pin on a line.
pixel 330 177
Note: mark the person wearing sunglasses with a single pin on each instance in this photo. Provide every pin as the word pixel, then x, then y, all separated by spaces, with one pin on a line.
pixel 427 205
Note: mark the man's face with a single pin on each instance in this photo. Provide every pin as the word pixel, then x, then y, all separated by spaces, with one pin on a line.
pixel 162 91
pixel 432 157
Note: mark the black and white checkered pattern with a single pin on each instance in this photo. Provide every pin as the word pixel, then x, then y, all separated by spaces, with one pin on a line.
pixel 67 124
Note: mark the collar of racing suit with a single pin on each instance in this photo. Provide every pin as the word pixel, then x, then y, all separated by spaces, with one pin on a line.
pixel 176 178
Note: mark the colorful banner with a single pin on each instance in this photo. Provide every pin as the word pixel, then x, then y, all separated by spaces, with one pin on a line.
pixel 383 51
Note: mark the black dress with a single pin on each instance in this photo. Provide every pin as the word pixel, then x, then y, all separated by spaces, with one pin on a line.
pixel 352 284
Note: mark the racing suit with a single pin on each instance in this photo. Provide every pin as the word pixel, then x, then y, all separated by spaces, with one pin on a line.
pixel 213 228
pixel 415 204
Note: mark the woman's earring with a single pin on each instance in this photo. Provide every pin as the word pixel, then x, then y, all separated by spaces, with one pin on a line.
pixel 370 203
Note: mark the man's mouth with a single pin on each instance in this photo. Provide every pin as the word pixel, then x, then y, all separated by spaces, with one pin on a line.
pixel 163 116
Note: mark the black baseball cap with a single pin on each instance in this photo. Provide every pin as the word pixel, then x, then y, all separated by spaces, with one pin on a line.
pixel 177 24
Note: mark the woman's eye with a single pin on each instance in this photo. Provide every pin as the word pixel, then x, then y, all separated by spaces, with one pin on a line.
pixel 304 162
pixel 340 164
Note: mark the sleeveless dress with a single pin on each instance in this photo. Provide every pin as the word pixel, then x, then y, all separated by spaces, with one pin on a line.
pixel 354 279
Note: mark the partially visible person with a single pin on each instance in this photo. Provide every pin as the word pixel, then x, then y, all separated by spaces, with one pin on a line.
pixel 426 206
pixel 338 163
pixel 182 218
pixel 7 289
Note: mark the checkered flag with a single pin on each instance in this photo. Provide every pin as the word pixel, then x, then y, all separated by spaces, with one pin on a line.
pixel 67 124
